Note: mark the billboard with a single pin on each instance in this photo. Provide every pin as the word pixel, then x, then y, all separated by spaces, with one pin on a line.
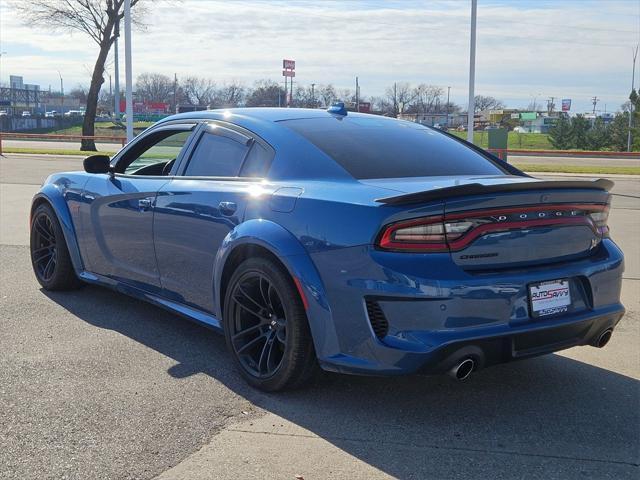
pixel 566 104
pixel 289 64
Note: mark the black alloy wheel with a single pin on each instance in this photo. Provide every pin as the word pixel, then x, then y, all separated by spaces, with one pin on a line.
pixel 44 247
pixel 266 327
pixel 49 253
pixel 259 328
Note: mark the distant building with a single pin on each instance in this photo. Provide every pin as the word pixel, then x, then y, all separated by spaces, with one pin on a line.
pixel 19 96
pixel 431 119
pixel 606 117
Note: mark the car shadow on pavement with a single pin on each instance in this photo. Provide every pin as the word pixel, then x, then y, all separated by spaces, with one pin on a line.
pixel 550 417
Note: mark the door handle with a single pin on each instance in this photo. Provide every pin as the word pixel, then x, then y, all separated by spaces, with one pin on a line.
pixel 145 203
pixel 227 208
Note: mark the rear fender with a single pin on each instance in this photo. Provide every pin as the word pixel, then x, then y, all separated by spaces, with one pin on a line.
pixel 51 194
pixel 281 243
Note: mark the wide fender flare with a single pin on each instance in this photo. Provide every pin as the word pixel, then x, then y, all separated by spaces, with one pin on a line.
pixel 54 197
pixel 288 249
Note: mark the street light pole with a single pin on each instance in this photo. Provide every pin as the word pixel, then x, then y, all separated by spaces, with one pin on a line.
pixel 116 97
pixel 633 81
pixel 448 92
pixel 472 72
pixel 127 67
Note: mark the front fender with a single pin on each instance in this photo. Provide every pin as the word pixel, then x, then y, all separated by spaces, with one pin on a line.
pixel 54 196
pixel 284 245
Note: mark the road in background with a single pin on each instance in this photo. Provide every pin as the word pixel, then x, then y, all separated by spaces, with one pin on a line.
pixel 57 145
pixel 520 159
pixel 94 384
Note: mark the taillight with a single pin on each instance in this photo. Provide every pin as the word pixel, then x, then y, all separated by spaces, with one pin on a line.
pixel 600 218
pixel 456 231
pixel 421 234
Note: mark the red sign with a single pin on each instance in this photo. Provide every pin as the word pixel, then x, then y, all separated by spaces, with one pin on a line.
pixel 146 107
pixel 566 104
pixel 289 64
pixel 365 107
pixel 288 73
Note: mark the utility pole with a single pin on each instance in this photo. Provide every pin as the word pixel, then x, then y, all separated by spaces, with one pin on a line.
pixel 395 99
pixel 116 73
pixel 313 95
pixel 550 105
pixel 175 93
pixel 357 96
pixel 61 83
pixel 127 67
pixel 633 81
pixel 594 100
pixel 61 93
pixel 472 72
pixel 448 92
pixel 286 93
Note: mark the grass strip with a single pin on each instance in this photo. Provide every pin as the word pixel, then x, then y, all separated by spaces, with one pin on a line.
pixel 532 167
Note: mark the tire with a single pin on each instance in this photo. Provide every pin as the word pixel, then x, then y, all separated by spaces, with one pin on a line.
pixel 49 253
pixel 266 327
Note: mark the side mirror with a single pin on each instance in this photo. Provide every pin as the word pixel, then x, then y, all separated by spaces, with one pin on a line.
pixel 97 164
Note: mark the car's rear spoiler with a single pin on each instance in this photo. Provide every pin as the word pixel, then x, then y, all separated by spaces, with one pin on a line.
pixel 478 189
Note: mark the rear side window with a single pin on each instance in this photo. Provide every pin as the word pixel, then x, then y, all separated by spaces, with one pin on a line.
pixel 385 148
pixel 257 161
pixel 216 156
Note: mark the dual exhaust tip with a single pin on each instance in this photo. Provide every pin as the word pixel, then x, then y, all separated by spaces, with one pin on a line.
pixel 603 338
pixel 464 369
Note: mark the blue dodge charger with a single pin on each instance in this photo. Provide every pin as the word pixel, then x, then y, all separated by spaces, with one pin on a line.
pixel 336 240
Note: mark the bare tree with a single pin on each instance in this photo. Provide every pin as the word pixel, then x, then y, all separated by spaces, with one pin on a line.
pixel 400 96
pixel 199 91
pixel 229 95
pixel 427 98
pixel 326 94
pixel 79 93
pixel 487 103
pixel 266 93
pixel 154 87
pixel 99 19
pixel 346 95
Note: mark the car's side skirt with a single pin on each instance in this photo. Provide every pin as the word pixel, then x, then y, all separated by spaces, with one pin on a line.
pixel 190 313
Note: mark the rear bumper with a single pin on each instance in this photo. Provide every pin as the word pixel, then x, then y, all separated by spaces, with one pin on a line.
pixel 436 320
pixel 522 343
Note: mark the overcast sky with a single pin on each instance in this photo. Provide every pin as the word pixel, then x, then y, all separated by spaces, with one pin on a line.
pixel 567 49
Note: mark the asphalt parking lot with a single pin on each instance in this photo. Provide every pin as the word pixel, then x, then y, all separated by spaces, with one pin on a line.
pixel 97 385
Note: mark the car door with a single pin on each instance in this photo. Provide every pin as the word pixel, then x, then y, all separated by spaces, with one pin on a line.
pixel 118 207
pixel 196 210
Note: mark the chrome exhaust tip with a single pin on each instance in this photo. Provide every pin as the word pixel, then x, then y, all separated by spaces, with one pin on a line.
pixel 463 370
pixel 604 338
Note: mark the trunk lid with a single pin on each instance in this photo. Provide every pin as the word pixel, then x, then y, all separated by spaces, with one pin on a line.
pixel 510 221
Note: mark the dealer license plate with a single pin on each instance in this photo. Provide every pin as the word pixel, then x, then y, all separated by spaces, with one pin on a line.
pixel 549 298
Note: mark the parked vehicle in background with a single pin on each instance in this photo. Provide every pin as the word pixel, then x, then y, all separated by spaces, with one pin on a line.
pixel 26 113
pixel 3 113
pixel 51 114
pixel 351 242
pixel 520 129
pixel 74 113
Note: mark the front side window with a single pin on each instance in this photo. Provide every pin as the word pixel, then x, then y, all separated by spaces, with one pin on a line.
pixel 154 155
pixel 216 156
